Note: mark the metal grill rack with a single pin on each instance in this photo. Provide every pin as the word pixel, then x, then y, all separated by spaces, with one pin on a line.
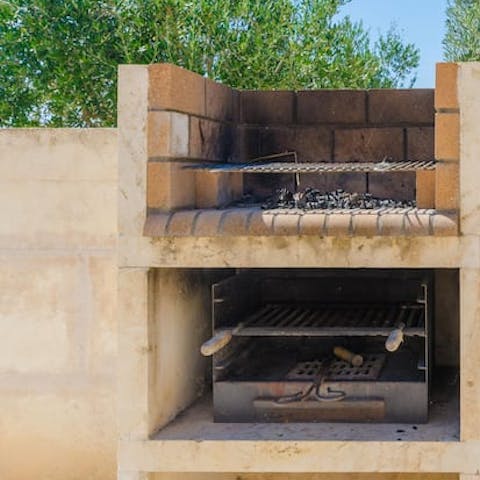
pixel 333 320
pixel 317 167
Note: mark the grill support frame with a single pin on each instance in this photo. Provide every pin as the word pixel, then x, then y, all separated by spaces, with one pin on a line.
pixel 232 403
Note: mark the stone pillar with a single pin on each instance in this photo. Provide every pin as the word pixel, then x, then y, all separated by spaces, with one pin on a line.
pixel 469 101
pixel 447 138
pixel 469 353
pixel 468 79
pixel 135 357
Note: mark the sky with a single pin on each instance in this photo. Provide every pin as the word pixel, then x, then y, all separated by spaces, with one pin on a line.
pixel 421 22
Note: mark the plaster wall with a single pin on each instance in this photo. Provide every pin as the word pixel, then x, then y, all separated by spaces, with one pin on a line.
pixel 58 281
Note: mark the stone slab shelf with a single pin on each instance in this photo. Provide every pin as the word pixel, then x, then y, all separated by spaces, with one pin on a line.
pixel 280 456
pixel 192 442
pixel 283 456
pixel 258 222
pixel 196 424
pixel 205 440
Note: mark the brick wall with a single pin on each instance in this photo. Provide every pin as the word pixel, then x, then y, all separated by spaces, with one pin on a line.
pixel 339 126
pixel 192 119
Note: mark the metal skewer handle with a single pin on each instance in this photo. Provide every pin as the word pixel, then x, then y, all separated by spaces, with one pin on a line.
pixel 220 340
pixel 395 339
pixel 350 357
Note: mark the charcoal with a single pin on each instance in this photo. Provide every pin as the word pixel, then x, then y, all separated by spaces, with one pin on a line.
pixel 313 199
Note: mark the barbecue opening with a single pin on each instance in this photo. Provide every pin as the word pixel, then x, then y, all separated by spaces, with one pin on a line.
pixel 327 346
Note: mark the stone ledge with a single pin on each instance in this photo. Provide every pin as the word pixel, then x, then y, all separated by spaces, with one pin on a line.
pixel 258 222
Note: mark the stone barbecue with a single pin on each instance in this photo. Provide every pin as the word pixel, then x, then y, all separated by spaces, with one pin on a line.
pixel 298 279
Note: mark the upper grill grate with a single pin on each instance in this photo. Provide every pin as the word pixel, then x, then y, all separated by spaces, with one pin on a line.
pixel 317 167
pixel 334 320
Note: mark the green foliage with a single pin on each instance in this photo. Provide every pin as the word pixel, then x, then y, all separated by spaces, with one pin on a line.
pixel 462 38
pixel 60 57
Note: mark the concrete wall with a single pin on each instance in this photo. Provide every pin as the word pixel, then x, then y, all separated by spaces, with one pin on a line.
pixel 58 228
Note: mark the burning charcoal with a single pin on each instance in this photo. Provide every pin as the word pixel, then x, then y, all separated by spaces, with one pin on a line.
pixel 310 199
pixel 299 199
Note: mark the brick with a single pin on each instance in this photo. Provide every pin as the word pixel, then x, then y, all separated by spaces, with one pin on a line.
pixel 155 225
pixel 368 144
pixel 218 101
pixel 181 224
pixel 391 224
pixel 266 107
pixel 350 182
pixel 313 224
pixel 234 221
pixel 286 224
pixel 314 180
pixel 236 113
pixel 275 140
pixel 412 106
pixel 174 88
pixel 447 136
pixel 169 186
pixel 263 185
pixel 217 189
pixel 420 143
pixel 416 224
pixel 447 186
pixel 445 225
pixel 313 144
pixel 331 106
pixel 365 225
pixel 247 144
pixel 260 223
pixel 167 134
pixel 210 140
pixel 399 186
pixel 339 224
pixel 425 188
pixel 207 223
pixel 236 184
pixel 446 95
pixel 211 189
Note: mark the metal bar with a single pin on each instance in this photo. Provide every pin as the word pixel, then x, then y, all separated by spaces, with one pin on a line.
pixel 288 319
pixel 263 311
pixel 272 317
pixel 305 314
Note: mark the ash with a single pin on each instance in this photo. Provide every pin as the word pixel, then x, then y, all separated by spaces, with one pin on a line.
pixel 313 199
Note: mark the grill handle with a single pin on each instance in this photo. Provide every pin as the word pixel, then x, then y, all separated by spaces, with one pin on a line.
pixel 395 339
pixel 348 356
pixel 216 343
